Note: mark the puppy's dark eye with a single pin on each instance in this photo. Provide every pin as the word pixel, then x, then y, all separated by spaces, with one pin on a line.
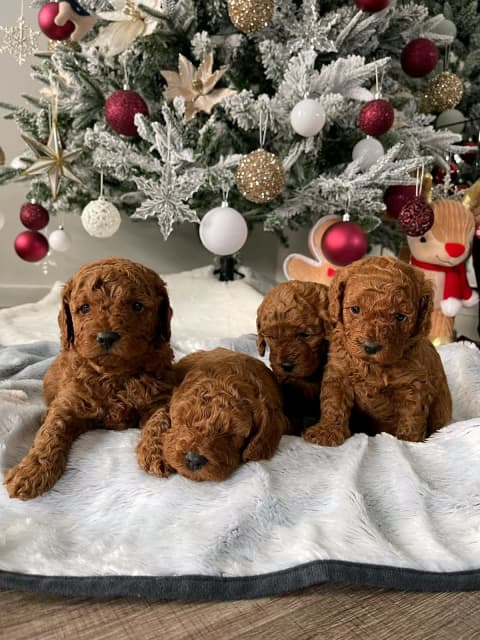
pixel 137 306
pixel 85 308
pixel 355 310
pixel 400 317
pixel 303 335
pixel 423 239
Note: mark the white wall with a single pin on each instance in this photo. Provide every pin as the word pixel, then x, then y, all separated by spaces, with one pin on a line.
pixel 21 281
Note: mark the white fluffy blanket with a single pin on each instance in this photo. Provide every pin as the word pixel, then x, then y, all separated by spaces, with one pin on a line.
pixel 373 500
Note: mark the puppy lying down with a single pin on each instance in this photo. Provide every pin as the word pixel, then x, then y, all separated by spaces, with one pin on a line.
pixel 227 409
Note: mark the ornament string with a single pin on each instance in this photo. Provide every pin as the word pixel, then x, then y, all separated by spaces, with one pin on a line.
pixel 101 184
pixel 346 215
pixel 126 79
pixel 419 180
pixel 378 83
pixel 263 125
pixel 225 194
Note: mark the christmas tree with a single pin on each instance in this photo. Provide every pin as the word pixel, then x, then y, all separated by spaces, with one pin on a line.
pixel 292 110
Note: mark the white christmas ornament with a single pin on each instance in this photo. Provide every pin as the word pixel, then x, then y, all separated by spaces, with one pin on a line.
pixel 307 117
pixel 367 152
pixel 451 119
pixel 223 230
pixel 445 28
pixel 59 240
pixel 100 218
pixel 2 220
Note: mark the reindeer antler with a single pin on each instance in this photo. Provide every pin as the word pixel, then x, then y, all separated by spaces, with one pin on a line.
pixel 471 200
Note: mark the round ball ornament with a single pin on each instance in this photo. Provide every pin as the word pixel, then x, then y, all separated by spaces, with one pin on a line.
pixel 376 117
pixel 397 196
pixel 367 151
pixel 471 156
pixel 223 230
pixel 451 119
pixel 307 117
pixel 120 111
pixel 34 216
pixel 59 240
pixel 439 173
pixel 444 92
pixel 344 242
pixel 419 57
pixel 46 22
pixel 100 218
pixel 260 176
pixel 416 217
pixel 31 246
pixel 445 28
pixel 372 6
pixel 250 15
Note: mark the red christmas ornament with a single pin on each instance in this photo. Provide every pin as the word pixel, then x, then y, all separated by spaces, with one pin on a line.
pixel 416 217
pixel 396 196
pixel 372 5
pixel 376 117
pixel 31 246
pixel 121 108
pixel 46 22
pixel 439 173
pixel 343 243
pixel 419 57
pixel 34 216
pixel 471 156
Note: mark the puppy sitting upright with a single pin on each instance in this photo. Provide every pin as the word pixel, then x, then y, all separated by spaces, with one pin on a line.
pixel 114 370
pixel 381 364
pixel 293 322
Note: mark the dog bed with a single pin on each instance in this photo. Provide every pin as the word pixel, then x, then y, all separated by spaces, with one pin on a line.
pixel 375 511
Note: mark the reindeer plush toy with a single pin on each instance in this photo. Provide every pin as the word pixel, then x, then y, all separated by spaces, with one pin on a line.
pixel 441 254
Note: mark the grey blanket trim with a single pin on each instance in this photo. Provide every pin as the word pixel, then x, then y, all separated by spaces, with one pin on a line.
pixel 198 588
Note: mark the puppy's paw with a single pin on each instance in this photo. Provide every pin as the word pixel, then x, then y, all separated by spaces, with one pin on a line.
pixel 151 460
pixel 324 436
pixel 30 478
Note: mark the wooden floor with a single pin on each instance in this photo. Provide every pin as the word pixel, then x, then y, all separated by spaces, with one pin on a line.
pixel 330 612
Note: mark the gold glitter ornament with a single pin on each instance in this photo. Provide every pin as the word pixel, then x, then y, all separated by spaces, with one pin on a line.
pixel 250 15
pixel 260 176
pixel 444 92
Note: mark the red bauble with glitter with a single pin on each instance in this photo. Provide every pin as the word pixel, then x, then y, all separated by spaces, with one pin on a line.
pixel 419 57
pixel 34 216
pixel 121 108
pixel 376 117
pixel 343 243
pixel 416 217
pixel 31 246
pixel 372 6
pixel 471 156
pixel 396 196
pixel 46 22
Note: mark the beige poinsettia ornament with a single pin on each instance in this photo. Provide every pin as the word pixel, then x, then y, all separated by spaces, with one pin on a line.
pixel 196 86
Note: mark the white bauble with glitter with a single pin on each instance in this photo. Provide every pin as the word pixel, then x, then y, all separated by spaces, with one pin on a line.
pixel 223 230
pixel 59 240
pixel 367 152
pixel 307 117
pixel 451 119
pixel 100 218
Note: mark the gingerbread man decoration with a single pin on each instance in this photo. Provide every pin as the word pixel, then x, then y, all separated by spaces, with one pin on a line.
pixel 298 267
pixel 71 10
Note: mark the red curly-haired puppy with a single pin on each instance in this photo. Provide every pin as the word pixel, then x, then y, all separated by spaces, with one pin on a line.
pixel 381 364
pixel 226 410
pixel 115 366
pixel 293 323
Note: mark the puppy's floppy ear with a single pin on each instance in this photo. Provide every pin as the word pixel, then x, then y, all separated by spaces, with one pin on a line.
pixel 65 321
pixel 164 319
pixel 322 310
pixel 425 307
pixel 269 424
pixel 335 296
pixel 261 344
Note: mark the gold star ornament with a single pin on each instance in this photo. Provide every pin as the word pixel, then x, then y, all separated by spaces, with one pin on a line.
pixel 52 159
pixel 196 86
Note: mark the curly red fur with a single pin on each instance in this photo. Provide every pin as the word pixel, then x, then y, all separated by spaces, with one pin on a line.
pixel 227 409
pixel 90 386
pixel 381 365
pixel 293 322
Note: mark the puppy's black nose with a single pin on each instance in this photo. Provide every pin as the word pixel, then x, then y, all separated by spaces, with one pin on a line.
pixel 372 347
pixel 107 338
pixel 287 366
pixel 195 461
